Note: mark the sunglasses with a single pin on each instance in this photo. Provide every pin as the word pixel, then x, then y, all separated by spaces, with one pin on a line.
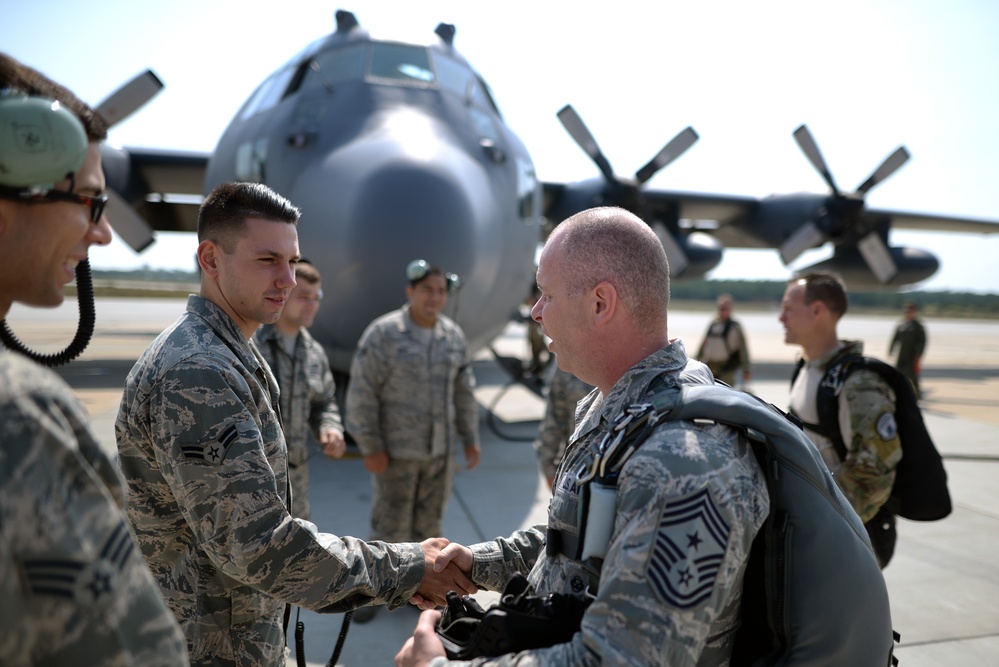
pixel 96 204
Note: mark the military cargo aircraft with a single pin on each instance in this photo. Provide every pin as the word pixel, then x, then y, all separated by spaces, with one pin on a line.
pixel 396 151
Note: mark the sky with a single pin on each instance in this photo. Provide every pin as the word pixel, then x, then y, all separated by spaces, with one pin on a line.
pixel 865 75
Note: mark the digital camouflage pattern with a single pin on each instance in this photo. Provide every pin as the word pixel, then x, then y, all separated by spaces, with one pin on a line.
pixel 867 422
pixel 689 503
pixel 308 402
pixel 414 401
pixel 73 585
pixel 205 465
pixel 406 402
pixel 564 391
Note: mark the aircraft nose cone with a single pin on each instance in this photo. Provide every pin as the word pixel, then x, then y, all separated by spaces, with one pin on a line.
pixel 372 207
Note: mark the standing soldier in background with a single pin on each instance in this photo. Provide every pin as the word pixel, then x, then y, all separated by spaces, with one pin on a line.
pixel 409 404
pixel 73 586
pixel 910 338
pixel 564 392
pixel 308 393
pixel 724 348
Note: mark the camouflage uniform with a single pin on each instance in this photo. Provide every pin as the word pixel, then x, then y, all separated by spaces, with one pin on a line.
pixel 73 587
pixel 867 421
pixel 414 402
pixel 646 611
pixel 308 401
pixel 718 346
pixel 564 392
pixel 206 470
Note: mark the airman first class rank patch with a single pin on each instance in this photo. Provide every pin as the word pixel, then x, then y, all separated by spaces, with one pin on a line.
pixel 214 451
pixel 688 550
pixel 89 583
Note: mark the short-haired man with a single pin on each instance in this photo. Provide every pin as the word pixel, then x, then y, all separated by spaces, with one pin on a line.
pixel 810 311
pixel 564 391
pixel 206 464
pixel 73 586
pixel 409 405
pixel 910 339
pixel 604 285
pixel 308 392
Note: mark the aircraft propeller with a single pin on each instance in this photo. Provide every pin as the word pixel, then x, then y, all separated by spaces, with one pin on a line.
pixel 842 217
pixel 627 193
pixel 118 106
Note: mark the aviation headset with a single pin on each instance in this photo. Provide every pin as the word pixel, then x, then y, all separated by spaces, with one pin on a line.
pixel 418 269
pixel 41 142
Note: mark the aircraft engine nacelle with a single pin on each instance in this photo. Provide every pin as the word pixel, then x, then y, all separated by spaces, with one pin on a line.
pixel 914 265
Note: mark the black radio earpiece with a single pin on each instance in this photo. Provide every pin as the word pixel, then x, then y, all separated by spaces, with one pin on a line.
pixel 41 142
pixel 419 268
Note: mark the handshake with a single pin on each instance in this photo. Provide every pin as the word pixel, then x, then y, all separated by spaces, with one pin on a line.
pixel 447 567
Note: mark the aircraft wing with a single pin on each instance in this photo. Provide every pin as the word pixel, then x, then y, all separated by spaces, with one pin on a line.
pixel 163 187
pixel 939 223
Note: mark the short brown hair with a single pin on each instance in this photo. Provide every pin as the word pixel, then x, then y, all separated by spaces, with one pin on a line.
pixel 825 287
pixel 226 209
pixel 15 76
pixel 307 272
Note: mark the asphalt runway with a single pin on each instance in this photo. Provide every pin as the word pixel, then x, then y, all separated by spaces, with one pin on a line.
pixel 943 581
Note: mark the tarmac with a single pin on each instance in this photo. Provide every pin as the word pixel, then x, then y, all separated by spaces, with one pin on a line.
pixel 944 578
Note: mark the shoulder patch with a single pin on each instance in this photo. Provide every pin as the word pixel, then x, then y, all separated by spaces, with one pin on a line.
pixel 88 583
pixel 886 426
pixel 214 451
pixel 688 551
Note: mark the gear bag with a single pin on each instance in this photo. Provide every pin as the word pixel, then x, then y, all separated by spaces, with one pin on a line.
pixel 920 490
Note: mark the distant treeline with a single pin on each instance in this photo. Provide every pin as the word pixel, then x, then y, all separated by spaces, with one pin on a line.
pixel 747 294
pixel 768 293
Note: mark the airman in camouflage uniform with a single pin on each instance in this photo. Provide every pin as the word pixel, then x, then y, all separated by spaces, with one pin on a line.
pixel 564 391
pixel 206 464
pixel 866 404
pixel 73 586
pixel 410 399
pixel 605 286
pixel 308 392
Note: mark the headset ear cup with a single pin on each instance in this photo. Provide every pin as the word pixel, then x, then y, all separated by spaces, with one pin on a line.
pixel 41 142
pixel 453 283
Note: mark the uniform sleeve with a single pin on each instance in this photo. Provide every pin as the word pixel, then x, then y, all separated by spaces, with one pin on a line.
pixel 72 580
pixel 212 447
pixel 465 406
pixel 324 415
pixel 368 374
pixel 496 561
pixel 920 346
pixel 873 449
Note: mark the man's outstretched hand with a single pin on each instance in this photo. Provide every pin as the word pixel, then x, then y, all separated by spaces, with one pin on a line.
pixel 441 575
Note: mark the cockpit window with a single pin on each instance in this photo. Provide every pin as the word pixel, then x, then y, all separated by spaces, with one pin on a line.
pixel 335 66
pixel 269 93
pixel 400 62
pixel 461 80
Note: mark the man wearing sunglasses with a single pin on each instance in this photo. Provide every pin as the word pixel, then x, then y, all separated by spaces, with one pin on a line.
pixel 409 404
pixel 73 584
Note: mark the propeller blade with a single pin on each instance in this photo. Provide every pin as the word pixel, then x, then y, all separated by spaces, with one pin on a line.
pixel 129 225
pixel 887 168
pixel 124 101
pixel 577 130
pixel 675 254
pixel 811 150
pixel 805 237
pixel 671 151
pixel 878 257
